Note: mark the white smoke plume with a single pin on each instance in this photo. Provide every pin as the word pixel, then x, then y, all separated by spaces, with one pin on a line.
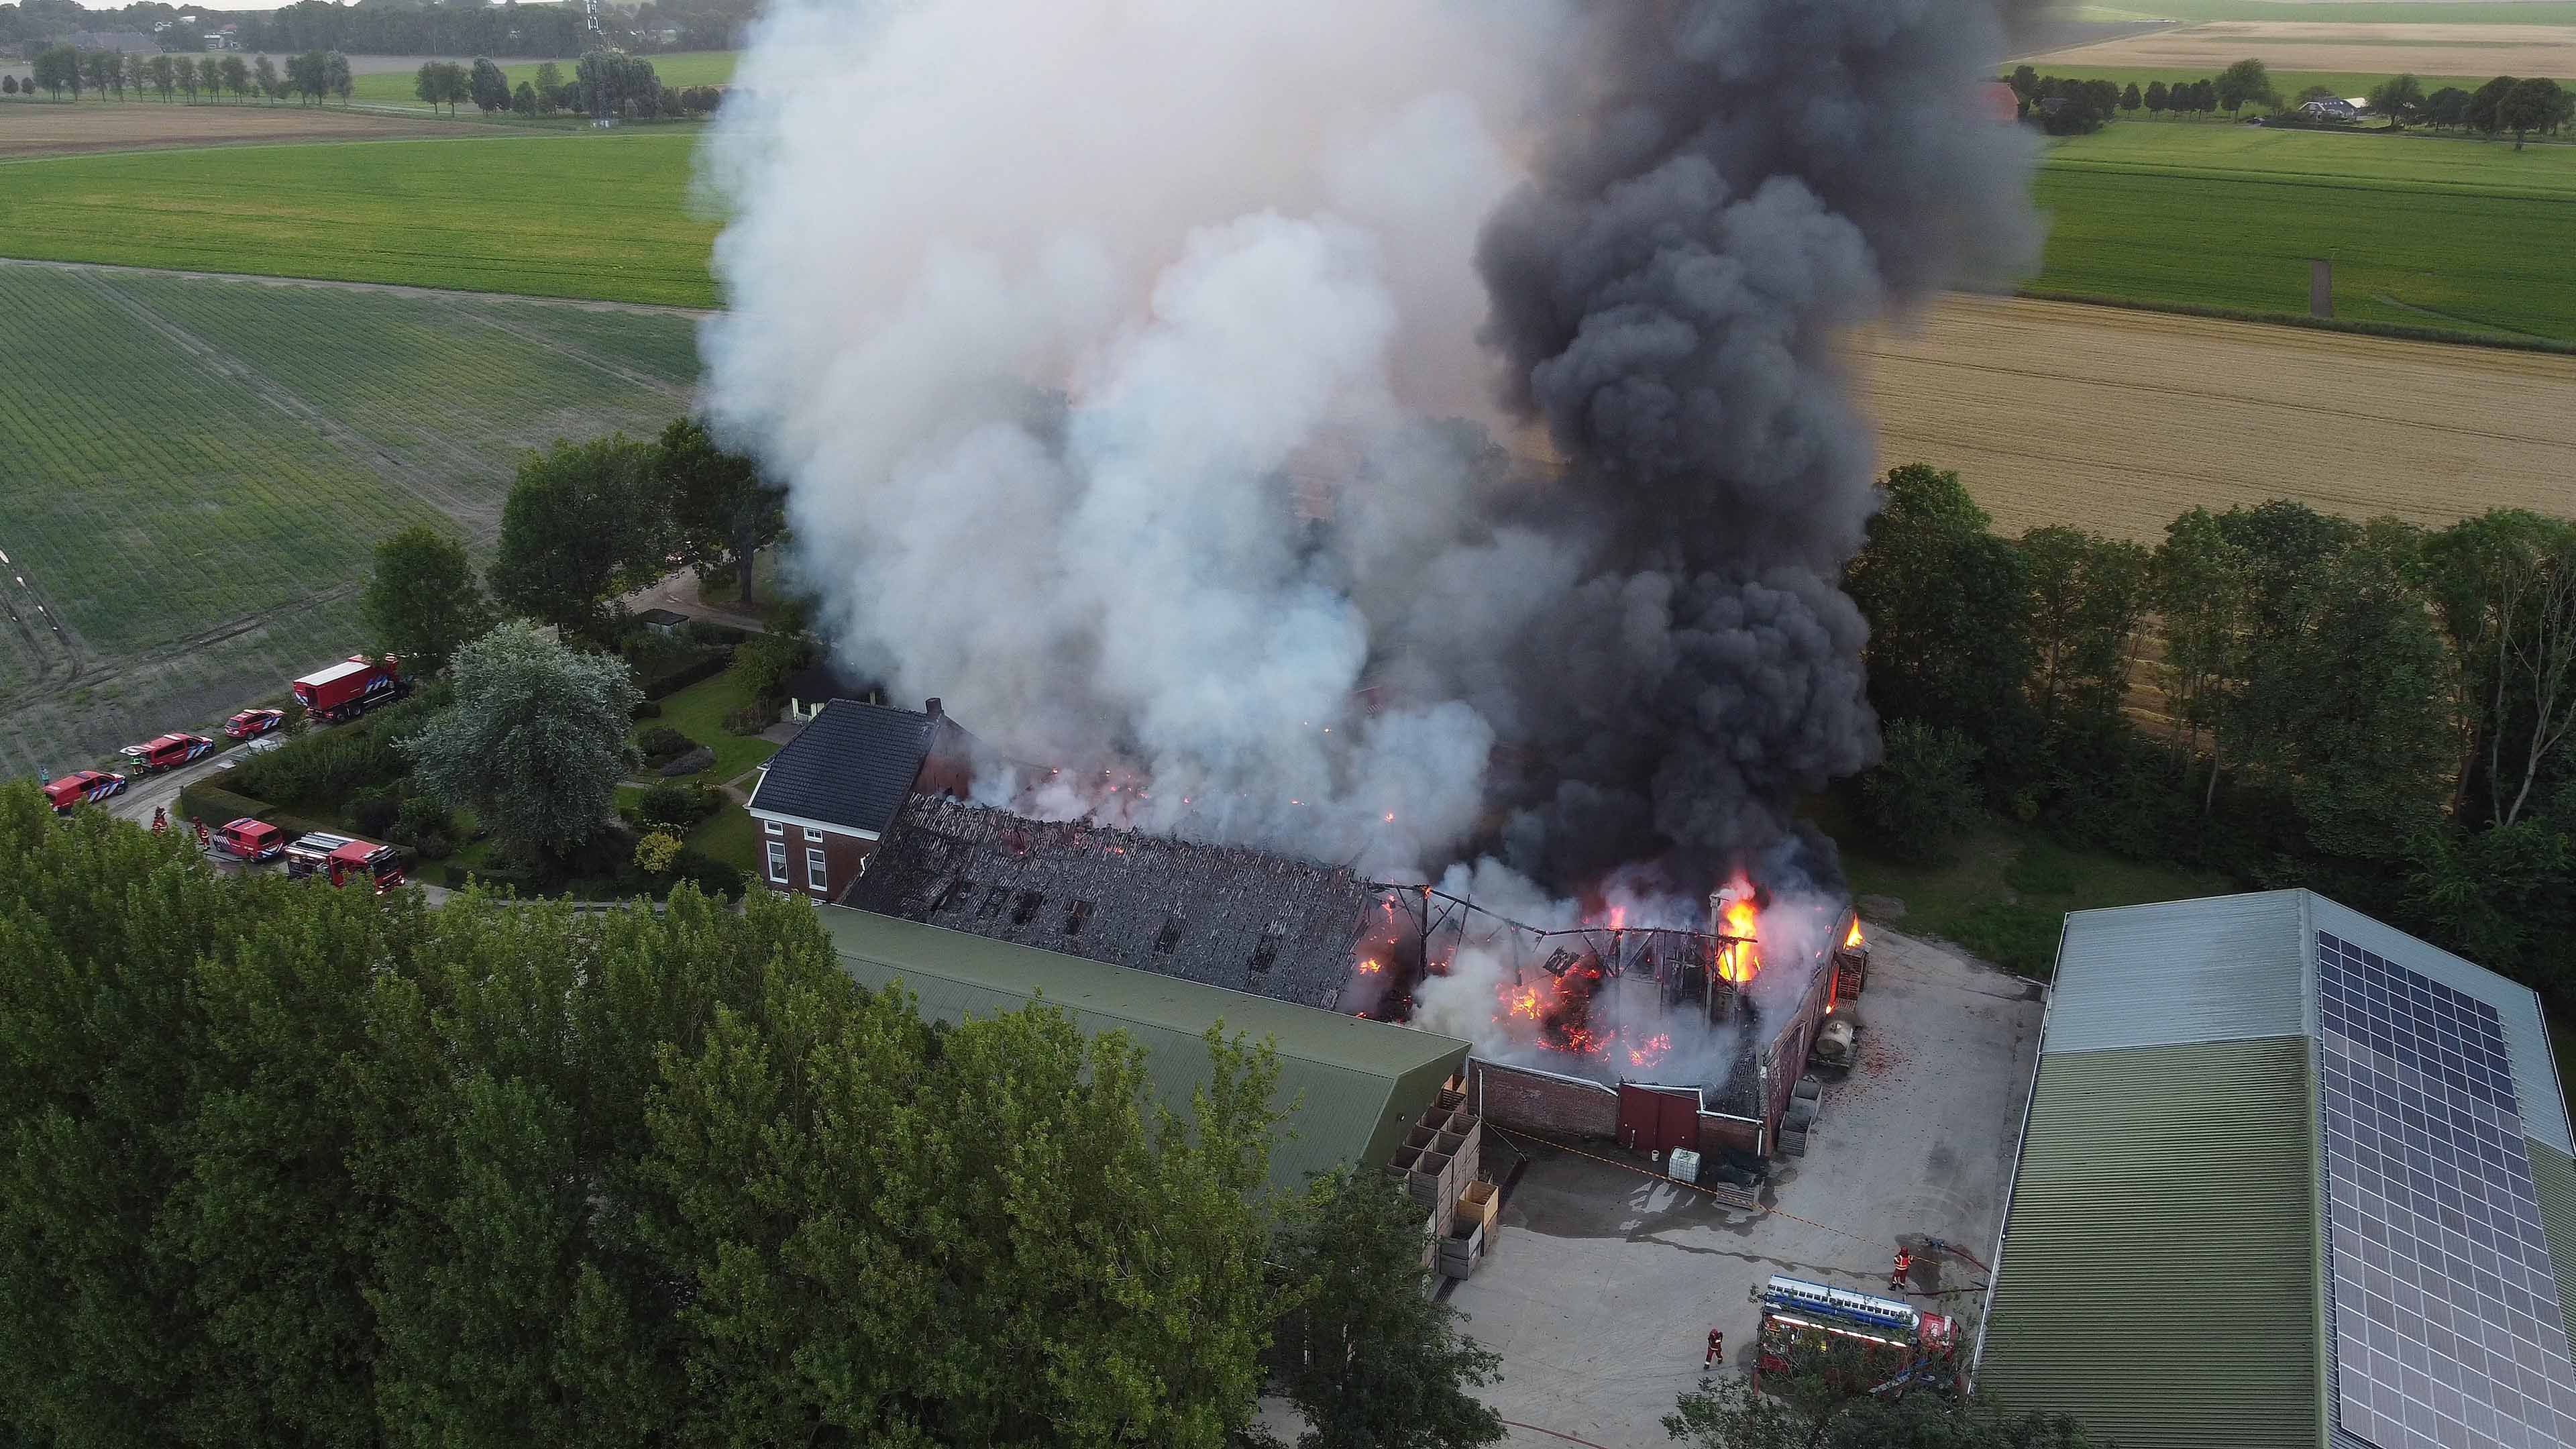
pixel 1135 369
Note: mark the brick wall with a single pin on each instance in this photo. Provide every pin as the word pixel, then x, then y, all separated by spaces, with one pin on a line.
pixel 1510 1098
pixel 842 857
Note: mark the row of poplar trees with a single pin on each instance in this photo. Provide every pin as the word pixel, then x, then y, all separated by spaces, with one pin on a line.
pixel 286 1164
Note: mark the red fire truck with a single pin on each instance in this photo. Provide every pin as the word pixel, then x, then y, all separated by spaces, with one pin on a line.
pixel 351 687
pixel 1898 1346
pixel 167 752
pixel 254 722
pixel 81 785
pixel 341 860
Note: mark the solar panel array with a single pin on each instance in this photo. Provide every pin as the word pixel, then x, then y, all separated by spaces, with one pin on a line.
pixel 2444 1302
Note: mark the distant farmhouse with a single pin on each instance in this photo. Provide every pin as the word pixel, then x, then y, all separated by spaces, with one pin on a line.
pixel 2331 110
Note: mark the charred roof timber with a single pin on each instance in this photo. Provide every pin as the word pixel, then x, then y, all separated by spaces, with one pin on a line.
pixel 1216 914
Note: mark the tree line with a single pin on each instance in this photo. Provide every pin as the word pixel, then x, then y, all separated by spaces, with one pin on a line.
pixel 310 77
pixel 2506 104
pixel 603 84
pixel 294 1165
pixel 2382 712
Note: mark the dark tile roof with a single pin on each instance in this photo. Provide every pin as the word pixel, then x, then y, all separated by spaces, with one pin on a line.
pixel 852 766
pixel 822 681
pixel 1215 914
pixel 662 618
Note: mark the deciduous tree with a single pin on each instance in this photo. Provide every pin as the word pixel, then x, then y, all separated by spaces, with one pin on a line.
pixel 1374 1360
pixel 487 87
pixel 423 600
pixel 534 744
pixel 341 83
pixel 1921 798
pixel 582 524
pixel 2130 100
pixel 2506 586
pixel 2157 98
pixel 265 78
pixel 722 511
pixel 2534 103
pixel 2246 80
pixel 1827 1406
pixel 2485 112
pixel 1948 608
pixel 2089 597
pixel 2399 98
pixel 164 77
pixel 236 76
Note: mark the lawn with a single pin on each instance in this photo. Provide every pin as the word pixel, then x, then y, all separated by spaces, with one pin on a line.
pixel 603 215
pixel 199 471
pixel 698 712
pixel 676 70
pixel 2009 890
pixel 2423 231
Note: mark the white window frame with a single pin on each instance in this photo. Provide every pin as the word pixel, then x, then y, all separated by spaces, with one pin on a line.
pixel 773 827
pixel 778 861
pixel 818 869
pixel 813 834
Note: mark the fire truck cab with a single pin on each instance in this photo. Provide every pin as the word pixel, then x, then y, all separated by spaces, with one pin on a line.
pixel 254 722
pixel 250 840
pixel 167 752
pixel 1901 1344
pixel 81 785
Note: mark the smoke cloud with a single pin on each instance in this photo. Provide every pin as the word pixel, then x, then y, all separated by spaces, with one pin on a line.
pixel 1379 431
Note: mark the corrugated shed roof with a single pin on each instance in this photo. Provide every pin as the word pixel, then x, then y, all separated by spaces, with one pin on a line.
pixel 2554 1173
pixel 854 765
pixel 1359 1081
pixel 2159 1278
pixel 2218 969
pixel 2526 1031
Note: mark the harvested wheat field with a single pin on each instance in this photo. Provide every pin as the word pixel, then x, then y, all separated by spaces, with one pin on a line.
pixel 2116 421
pixel 2442 50
pixel 47 129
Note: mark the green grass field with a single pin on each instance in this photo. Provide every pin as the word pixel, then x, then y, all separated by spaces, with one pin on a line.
pixel 698 712
pixel 2424 231
pixel 581 215
pixel 199 471
pixel 677 69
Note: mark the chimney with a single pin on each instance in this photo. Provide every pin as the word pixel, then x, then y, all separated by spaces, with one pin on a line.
pixel 930 706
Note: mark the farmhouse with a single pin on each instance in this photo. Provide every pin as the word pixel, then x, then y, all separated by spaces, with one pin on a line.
pixel 825 801
pixel 2289 1177
pixel 2331 110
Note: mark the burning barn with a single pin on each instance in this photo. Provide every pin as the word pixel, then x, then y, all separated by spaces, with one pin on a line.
pixel 1658 1036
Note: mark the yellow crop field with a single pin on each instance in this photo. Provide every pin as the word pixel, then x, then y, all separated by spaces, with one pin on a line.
pixel 2116 421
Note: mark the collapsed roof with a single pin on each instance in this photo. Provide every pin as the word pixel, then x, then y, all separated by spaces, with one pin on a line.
pixel 1220 915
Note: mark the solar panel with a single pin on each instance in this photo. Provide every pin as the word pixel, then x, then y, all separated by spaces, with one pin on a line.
pixel 2443 1300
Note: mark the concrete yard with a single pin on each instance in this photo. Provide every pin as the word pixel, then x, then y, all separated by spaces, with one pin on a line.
pixel 1603 1282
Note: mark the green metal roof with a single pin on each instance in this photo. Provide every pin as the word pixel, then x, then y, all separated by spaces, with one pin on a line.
pixel 2161 1274
pixel 1357 1083
pixel 2205 970
pixel 2554 1173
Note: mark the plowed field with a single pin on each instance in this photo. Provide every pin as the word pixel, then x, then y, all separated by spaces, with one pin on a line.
pixel 2455 50
pixel 2117 421
pixel 46 129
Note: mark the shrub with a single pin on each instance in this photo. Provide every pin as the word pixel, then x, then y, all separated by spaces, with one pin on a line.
pixel 708 874
pixel 662 744
pixel 1922 798
pixel 656 851
pixel 420 818
pixel 456 876
pixel 765 662
pixel 325 766
pixel 374 811
pixel 671 807
pixel 751 719
pixel 433 845
pixel 709 634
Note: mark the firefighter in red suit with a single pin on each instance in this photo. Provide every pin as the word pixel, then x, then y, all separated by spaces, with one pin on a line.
pixel 1904 1265
pixel 204 838
pixel 1716 1350
pixel 160 819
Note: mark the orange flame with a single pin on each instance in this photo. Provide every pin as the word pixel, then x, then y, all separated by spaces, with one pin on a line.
pixel 1853 941
pixel 1526 1003
pixel 1652 1052
pixel 1739 960
pixel 1370 968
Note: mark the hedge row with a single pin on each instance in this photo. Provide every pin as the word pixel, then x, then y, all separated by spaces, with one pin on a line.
pixel 662 686
pixel 215 805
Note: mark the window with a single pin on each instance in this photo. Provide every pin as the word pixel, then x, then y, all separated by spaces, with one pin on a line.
pixel 773 827
pixel 813 834
pixel 815 873
pixel 778 861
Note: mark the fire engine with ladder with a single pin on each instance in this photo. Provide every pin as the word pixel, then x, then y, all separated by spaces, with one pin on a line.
pixel 1902 1345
